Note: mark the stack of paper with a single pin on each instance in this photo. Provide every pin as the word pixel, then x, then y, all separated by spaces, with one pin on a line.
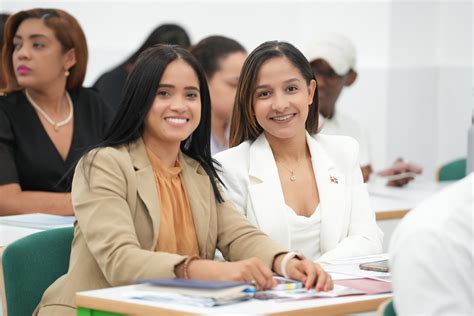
pixel 348 268
pixel 194 292
pixel 38 221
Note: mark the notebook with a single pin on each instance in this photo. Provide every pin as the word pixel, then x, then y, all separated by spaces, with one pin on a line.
pixel 195 292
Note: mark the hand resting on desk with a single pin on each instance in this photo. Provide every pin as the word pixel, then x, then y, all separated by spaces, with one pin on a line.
pixel 400 167
pixel 254 270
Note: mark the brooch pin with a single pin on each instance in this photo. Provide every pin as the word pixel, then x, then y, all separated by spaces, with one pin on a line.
pixel 333 179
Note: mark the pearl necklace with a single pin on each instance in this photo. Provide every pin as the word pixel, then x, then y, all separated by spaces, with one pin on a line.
pixel 56 125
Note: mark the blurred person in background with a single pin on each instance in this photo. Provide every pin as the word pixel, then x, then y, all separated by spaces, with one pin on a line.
pixel 110 84
pixel 3 20
pixel 333 59
pixel 222 59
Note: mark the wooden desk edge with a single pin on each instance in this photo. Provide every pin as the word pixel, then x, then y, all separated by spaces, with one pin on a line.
pixel 395 214
pixel 125 308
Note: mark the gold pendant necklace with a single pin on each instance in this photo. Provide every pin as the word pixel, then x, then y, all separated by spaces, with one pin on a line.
pixel 56 125
pixel 292 172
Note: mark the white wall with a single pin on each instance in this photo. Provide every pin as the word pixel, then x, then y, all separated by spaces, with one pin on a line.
pixel 456 80
pixel 414 90
pixel 430 81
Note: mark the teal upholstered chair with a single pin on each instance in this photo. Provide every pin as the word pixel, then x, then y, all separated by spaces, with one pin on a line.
pixel 386 308
pixel 31 265
pixel 453 170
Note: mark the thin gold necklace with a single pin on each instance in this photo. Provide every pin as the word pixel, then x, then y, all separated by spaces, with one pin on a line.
pixel 56 125
pixel 292 172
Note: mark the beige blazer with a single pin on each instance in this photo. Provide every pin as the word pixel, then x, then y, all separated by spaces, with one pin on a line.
pixel 348 226
pixel 118 219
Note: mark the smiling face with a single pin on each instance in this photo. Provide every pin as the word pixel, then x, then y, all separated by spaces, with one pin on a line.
pixel 176 110
pixel 38 57
pixel 281 99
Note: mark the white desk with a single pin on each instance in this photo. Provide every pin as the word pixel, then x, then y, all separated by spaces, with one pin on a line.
pixel 9 234
pixel 115 300
pixel 395 202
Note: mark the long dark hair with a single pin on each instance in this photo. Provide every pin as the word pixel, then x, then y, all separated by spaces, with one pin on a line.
pixel 139 93
pixel 164 34
pixel 244 125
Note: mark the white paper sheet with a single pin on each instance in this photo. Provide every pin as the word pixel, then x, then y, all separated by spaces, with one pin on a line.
pixel 38 221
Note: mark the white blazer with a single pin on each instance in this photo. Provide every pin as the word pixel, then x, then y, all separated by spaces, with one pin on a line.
pixel 348 226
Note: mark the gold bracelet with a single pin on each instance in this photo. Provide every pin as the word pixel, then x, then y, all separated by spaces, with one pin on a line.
pixel 186 264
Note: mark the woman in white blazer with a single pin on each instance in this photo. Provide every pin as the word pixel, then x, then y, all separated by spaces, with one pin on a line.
pixel 303 189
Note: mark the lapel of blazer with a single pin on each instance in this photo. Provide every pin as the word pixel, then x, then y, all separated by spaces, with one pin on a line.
pixel 267 202
pixel 331 187
pixel 200 194
pixel 146 185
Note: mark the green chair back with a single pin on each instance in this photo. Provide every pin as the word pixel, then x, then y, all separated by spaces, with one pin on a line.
pixel 389 310
pixel 31 265
pixel 453 170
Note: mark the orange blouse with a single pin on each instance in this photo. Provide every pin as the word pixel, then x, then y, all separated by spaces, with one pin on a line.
pixel 177 232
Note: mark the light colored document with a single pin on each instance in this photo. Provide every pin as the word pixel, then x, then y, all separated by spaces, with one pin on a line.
pixel 352 271
pixel 415 191
pixel 348 268
pixel 357 260
pixel 302 294
pixel 38 221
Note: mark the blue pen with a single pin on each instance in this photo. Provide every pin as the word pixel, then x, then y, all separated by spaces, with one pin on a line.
pixel 250 290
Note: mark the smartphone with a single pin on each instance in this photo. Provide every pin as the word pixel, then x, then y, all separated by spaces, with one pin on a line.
pixel 379 266
pixel 286 284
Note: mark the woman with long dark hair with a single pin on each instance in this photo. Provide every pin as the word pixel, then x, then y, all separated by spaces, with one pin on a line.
pixel 147 200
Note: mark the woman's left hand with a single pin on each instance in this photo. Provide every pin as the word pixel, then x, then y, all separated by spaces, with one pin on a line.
pixel 309 273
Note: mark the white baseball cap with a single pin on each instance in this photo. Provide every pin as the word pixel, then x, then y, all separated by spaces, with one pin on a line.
pixel 336 49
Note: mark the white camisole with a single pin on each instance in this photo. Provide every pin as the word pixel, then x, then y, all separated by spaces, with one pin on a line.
pixel 305 233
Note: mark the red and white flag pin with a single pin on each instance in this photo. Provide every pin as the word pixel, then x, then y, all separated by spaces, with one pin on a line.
pixel 333 179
